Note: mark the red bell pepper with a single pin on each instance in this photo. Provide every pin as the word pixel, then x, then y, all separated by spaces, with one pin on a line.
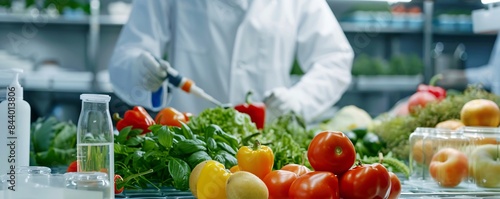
pixel 439 92
pixel 425 94
pixel 138 118
pixel 256 111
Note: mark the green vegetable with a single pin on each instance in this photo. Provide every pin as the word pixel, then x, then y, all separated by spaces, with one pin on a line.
pixel 171 152
pixel 289 139
pixel 53 143
pixel 391 163
pixel 234 124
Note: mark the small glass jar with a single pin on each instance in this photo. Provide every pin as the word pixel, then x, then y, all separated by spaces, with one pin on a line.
pixel 34 175
pixel 89 182
pixel 484 155
pixel 448 166
pixel 420 153
pixel 27 180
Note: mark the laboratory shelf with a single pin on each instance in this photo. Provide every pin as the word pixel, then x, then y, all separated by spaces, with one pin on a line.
pixel 42 19
pixel 378 28
pixel 62 20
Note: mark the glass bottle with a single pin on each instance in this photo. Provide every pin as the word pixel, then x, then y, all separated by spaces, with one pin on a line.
pixel 95 150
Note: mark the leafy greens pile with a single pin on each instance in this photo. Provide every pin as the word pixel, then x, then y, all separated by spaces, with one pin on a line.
pixel 289 139
pixel 53 143
pixel 171 153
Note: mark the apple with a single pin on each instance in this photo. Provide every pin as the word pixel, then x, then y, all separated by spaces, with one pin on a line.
pixel 449 167
pixel 485 165
pixel 422 152
pixel 452 124
pixel 480 112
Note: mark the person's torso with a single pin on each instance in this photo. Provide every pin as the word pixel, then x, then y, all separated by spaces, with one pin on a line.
pixel 228 49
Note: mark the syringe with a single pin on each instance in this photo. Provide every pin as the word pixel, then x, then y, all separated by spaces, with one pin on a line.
pixel 187 85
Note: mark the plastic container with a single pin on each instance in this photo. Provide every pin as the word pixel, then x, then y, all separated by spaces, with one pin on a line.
pixel 15 123
pixel 95 149
pixel 420 154
pixel 484 156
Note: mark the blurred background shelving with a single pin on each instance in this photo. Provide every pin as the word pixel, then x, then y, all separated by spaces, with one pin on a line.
pixel 401 42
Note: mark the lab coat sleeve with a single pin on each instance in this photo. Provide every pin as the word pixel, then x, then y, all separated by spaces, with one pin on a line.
pixel 147 30
pixel 488 74
pixel 325 55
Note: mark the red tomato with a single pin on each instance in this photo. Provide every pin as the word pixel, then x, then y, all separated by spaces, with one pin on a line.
pixel 118 179
pixel 73 167
pixel 420 99
pixel 331 151
pixel 296 168
pixel 278 183
pixel 395 186
pixel 371 181
pixel 315 184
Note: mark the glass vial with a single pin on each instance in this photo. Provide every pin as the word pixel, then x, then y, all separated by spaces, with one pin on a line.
pixel 95 150
pixel 88 182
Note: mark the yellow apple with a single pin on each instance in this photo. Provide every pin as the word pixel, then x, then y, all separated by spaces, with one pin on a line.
pixel 480 112
pixel 485 165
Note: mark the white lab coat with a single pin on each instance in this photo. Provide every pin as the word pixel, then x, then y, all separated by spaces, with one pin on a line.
pixel 488 75
pixel 229 47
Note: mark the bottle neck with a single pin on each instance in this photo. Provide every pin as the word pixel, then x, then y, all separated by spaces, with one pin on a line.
pixel 95 106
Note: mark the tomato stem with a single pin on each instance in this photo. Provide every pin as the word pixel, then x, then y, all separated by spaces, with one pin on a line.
pixel 359 163
pixel 380 157
pixel 338 150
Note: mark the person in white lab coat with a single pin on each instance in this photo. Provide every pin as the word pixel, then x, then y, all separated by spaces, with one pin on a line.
pixel 487 75
pixel 229 47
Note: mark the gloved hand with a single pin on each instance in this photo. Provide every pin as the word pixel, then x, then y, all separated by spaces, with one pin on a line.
pixel 282 100
pixel 151 71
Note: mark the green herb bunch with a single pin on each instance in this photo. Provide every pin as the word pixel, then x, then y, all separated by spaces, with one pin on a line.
pixel 289 139
pixel 171 153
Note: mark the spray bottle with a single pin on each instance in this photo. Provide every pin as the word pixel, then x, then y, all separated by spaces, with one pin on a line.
pixel 15 121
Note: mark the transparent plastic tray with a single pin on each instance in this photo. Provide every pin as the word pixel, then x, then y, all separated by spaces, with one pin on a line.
pixel 429 189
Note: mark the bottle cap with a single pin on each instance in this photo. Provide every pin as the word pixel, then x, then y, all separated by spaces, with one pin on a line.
pixel 14 86
pixel 95 98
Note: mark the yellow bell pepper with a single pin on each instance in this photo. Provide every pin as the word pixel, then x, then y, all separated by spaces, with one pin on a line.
pixel 212 181
pixel 258 159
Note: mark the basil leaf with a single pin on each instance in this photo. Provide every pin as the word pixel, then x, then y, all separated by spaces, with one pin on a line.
pixel 180 171
pixel 186 131
pixel 123 135
pixel 165 137
pixel 149 144
pixel 134 141
pixel 197 157
pixel 211 144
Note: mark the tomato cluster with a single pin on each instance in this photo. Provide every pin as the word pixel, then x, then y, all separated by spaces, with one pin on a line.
pixel 335 174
